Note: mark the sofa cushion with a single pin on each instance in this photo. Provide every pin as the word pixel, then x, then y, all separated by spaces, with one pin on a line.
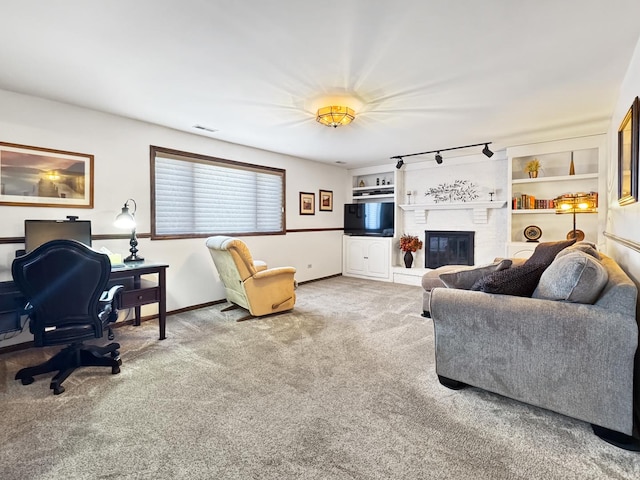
pixel 586 247
pixel 464 279
pixel 520 280
pixel 575 276
pixel 546 252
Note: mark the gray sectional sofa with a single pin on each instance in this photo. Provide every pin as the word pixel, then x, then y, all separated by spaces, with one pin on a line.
pixel 568 345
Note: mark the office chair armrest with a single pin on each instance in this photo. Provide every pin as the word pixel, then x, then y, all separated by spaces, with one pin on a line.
pixel 108 295
pixel 27 309
pixel 108 304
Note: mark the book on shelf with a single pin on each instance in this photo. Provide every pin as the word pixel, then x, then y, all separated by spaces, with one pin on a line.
pixel 530 202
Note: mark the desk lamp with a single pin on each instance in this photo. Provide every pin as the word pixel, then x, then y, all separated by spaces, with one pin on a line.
pixel 576 203
pixel 126 219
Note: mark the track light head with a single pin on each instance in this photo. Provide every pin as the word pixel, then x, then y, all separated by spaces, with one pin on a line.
pixel 438 158
pixel 399 163
pixel 486 151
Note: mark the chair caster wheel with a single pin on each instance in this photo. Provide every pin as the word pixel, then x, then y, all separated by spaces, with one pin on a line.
pixel 27 380
pixel 58 390
pixel 115 370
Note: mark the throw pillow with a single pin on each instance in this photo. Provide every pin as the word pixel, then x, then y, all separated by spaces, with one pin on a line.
pixel 464 279
pixel 573 277
pixel 546 252
pixel 520 280
pixel 586 247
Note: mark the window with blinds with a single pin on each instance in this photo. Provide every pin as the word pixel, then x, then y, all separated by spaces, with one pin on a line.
pixel 198 196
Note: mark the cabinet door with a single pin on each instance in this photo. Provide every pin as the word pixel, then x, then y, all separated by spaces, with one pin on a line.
pixel 355 257
pixel 378 258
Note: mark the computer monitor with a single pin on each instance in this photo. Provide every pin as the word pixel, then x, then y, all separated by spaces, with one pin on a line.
pixel 37 232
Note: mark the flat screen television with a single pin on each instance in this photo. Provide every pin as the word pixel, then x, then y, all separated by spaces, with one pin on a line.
pixel 375 219
pixel 37 232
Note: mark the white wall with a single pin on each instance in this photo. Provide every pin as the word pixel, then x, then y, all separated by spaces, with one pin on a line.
pixel 623 221
pixel 121 150
pixel 487 174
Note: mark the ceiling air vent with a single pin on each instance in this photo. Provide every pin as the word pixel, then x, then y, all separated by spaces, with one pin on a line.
pixel 205 129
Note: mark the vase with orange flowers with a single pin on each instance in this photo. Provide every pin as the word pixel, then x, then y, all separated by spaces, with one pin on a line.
pixel 409 244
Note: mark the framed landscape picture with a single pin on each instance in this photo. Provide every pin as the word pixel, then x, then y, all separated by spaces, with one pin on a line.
pixel 326 201
pixel 33 176
pixel 307 203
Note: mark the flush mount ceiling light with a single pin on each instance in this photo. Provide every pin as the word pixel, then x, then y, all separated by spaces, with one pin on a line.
pixel 335 116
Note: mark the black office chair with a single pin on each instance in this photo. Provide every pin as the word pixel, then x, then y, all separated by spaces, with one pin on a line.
pixel 64 282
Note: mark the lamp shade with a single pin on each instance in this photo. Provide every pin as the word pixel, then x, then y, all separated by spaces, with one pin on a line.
pixel 335 116
pixel 577 203
pixel 125 219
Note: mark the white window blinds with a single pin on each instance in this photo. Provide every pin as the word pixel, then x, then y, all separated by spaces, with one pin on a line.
pixel 201 196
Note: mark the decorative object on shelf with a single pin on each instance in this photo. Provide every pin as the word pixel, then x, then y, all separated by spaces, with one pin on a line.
pixel 41 177
pixel 378 181
pixel 572 167
pixel 409 197
pixel 335 116
pixel 576 203
pixel 532 167
pixel 438 158
pixel 532 233
pixel 491 194
pixel 408 259
pixel 326 201
pixel 458 191
pixel 127 219
pixel 409 244
pixel 628 155
pixel 307 203
pixel 361 184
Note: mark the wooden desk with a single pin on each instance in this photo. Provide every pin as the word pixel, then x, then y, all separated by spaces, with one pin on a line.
pixel 138 291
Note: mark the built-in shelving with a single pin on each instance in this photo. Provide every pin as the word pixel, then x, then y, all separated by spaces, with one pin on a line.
pixel 377 186
pixel 557 178
pixel 554 179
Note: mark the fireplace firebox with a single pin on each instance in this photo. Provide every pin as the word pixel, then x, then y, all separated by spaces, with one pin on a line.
pixel 448 248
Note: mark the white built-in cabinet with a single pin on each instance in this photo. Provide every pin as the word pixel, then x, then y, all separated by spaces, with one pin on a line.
pixel 367 257
pixel 554 179
pixel 371 257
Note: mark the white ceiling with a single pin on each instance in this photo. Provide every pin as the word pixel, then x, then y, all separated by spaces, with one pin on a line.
pixel 424 74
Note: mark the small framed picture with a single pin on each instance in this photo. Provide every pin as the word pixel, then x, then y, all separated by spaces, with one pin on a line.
pixel 326 201
pixel 33 176
pixel 307 203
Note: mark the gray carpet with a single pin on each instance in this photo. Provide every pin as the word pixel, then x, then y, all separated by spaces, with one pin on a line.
pixel 343 387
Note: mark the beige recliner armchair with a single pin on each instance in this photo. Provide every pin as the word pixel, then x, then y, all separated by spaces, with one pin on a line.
pixel 248 284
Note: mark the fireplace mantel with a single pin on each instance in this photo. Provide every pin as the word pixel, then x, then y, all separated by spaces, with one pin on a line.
pixel 480 209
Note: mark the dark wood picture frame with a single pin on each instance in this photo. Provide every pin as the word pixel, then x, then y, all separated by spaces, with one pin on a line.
pixel 44 177
pixel 307 203
pixel 325 203
pixel 628 155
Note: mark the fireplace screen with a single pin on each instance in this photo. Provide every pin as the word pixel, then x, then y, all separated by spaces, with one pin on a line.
pixel 448 248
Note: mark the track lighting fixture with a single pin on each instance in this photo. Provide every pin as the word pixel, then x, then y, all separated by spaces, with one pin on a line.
pixel 486 151
pixel 438 157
